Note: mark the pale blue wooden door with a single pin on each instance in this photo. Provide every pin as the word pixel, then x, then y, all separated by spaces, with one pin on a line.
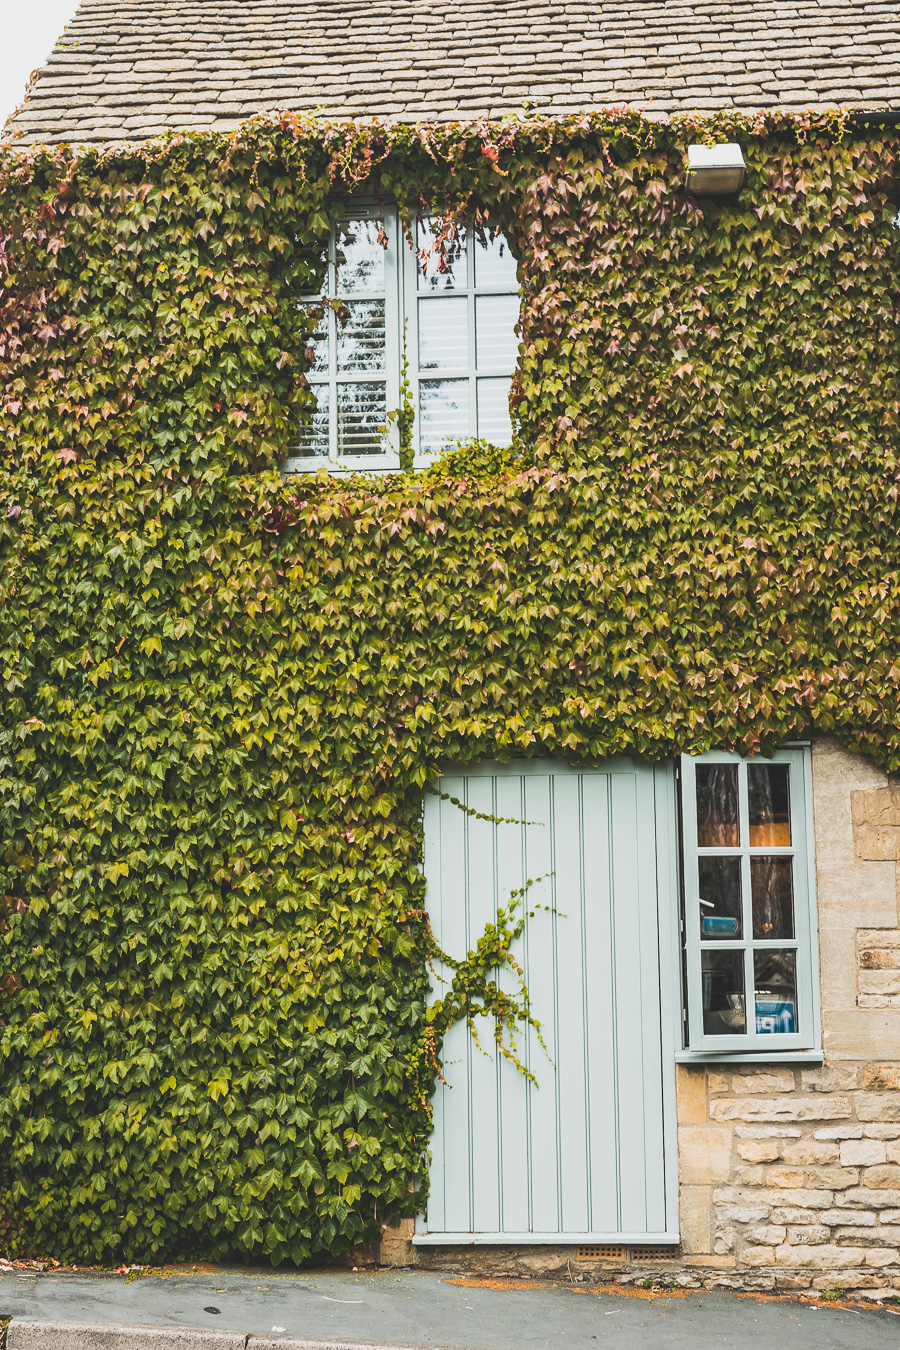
pixel 588 1155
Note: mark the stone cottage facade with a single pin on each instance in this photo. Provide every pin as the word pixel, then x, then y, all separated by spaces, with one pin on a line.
pixel 789 1168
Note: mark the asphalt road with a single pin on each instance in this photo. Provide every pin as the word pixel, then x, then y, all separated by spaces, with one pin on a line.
pixel 427 1310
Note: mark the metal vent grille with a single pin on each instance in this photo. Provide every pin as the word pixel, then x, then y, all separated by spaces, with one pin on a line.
pixel 600 1252
pixel 651 1253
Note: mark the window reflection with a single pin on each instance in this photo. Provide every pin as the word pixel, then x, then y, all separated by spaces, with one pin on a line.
pixel 362 413
pixel 448 268
pixel 444 334
pixel 720 897
pixel 494 263
pixel 359 257
pixel 314 436
pixel 360 339
pixel 769 801
pixel 717 806
pixel 496 343
pixel 775 980
pixel 494 422
pixel 722 973
pixel 443 412
pixel 772 891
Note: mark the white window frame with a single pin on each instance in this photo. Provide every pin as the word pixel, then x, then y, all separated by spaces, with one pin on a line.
pixel 805 1043
pixel 402 295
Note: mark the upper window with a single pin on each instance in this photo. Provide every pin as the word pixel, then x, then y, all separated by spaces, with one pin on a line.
pixel 747 903
pixel 452 317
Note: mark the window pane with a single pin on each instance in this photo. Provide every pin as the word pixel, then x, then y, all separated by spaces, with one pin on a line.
pixel 360 340
pixel 772 889
pixel 494 264
pixel 720 897
pixel 443 412
pixel 359 257
pixel 445 271
pixel 319 343
pixel 775 981
pixel 444 334
pixel 494 424
pixel 770 808
pixel 314 439
pixel 723 993
pixel 496 344
pixel 717 806
pixel 362 414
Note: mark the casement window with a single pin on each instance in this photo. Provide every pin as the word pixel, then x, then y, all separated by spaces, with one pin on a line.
pixel 454 323
pixel 748 915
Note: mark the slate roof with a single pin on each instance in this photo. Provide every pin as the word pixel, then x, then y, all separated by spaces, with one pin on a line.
pixel 130 69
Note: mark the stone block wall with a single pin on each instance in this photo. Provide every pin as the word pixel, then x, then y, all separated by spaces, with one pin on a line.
pixel 789 1173
pixel 790 1177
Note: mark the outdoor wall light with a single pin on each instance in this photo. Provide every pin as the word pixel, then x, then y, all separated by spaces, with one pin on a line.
pixel 715 170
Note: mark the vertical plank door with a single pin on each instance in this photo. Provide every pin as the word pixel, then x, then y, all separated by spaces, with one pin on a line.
pixel 589 1153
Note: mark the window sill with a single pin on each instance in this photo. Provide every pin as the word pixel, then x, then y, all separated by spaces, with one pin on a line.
pixel 749 1057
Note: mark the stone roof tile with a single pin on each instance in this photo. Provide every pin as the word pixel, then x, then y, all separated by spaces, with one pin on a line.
pixel 131 68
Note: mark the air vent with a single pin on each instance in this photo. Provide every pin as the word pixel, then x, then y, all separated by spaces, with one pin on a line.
pixel 651 1253
pixel 600 1252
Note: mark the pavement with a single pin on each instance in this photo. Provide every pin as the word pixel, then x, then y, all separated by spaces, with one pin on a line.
pixel 245 1309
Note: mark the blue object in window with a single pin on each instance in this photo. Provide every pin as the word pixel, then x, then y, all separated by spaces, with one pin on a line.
pixel 718 925
pixel 775 1016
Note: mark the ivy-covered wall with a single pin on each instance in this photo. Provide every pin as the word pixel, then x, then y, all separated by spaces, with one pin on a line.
pixel 222 694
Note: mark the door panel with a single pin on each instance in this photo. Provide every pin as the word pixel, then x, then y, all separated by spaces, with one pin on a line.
pixel 589 1152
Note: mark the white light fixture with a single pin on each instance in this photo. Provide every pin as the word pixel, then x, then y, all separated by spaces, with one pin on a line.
pixel 715 170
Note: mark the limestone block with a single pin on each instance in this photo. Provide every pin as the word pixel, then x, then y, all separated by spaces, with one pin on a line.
pixel 771 1080
pixel 840 1132
pixel 690 1094
pixel 800 1199
pixel 882 1132
pixel 827 1256
pixel 884 1178
pixel 785 1178
pixel 791 1215
pixel 863 1197
pixel 847 1218
pixel 785 1108
pixel 704 1154
pixel 765 1235
pixel 847 1281
pixel 743 1213
pixel 718 1082
pixel 882 1256
pixel 876 823
pixel 890 1216
pixel 396 1244
pixel 880 1236
pixel 811 1235
pixel 878 949
pixel 877 1106
pixel 749 1176
pixel 767 1132
pixel 883 983
pixel 837 971
pixel 830 1078
pixel 862 1152
pixel 882 1077
pixel 863 894
pixel 758 1256
pixel 838 1178
pixel 761 1150
pixel 694 1219
pixel 810 1151
pixel 836 773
